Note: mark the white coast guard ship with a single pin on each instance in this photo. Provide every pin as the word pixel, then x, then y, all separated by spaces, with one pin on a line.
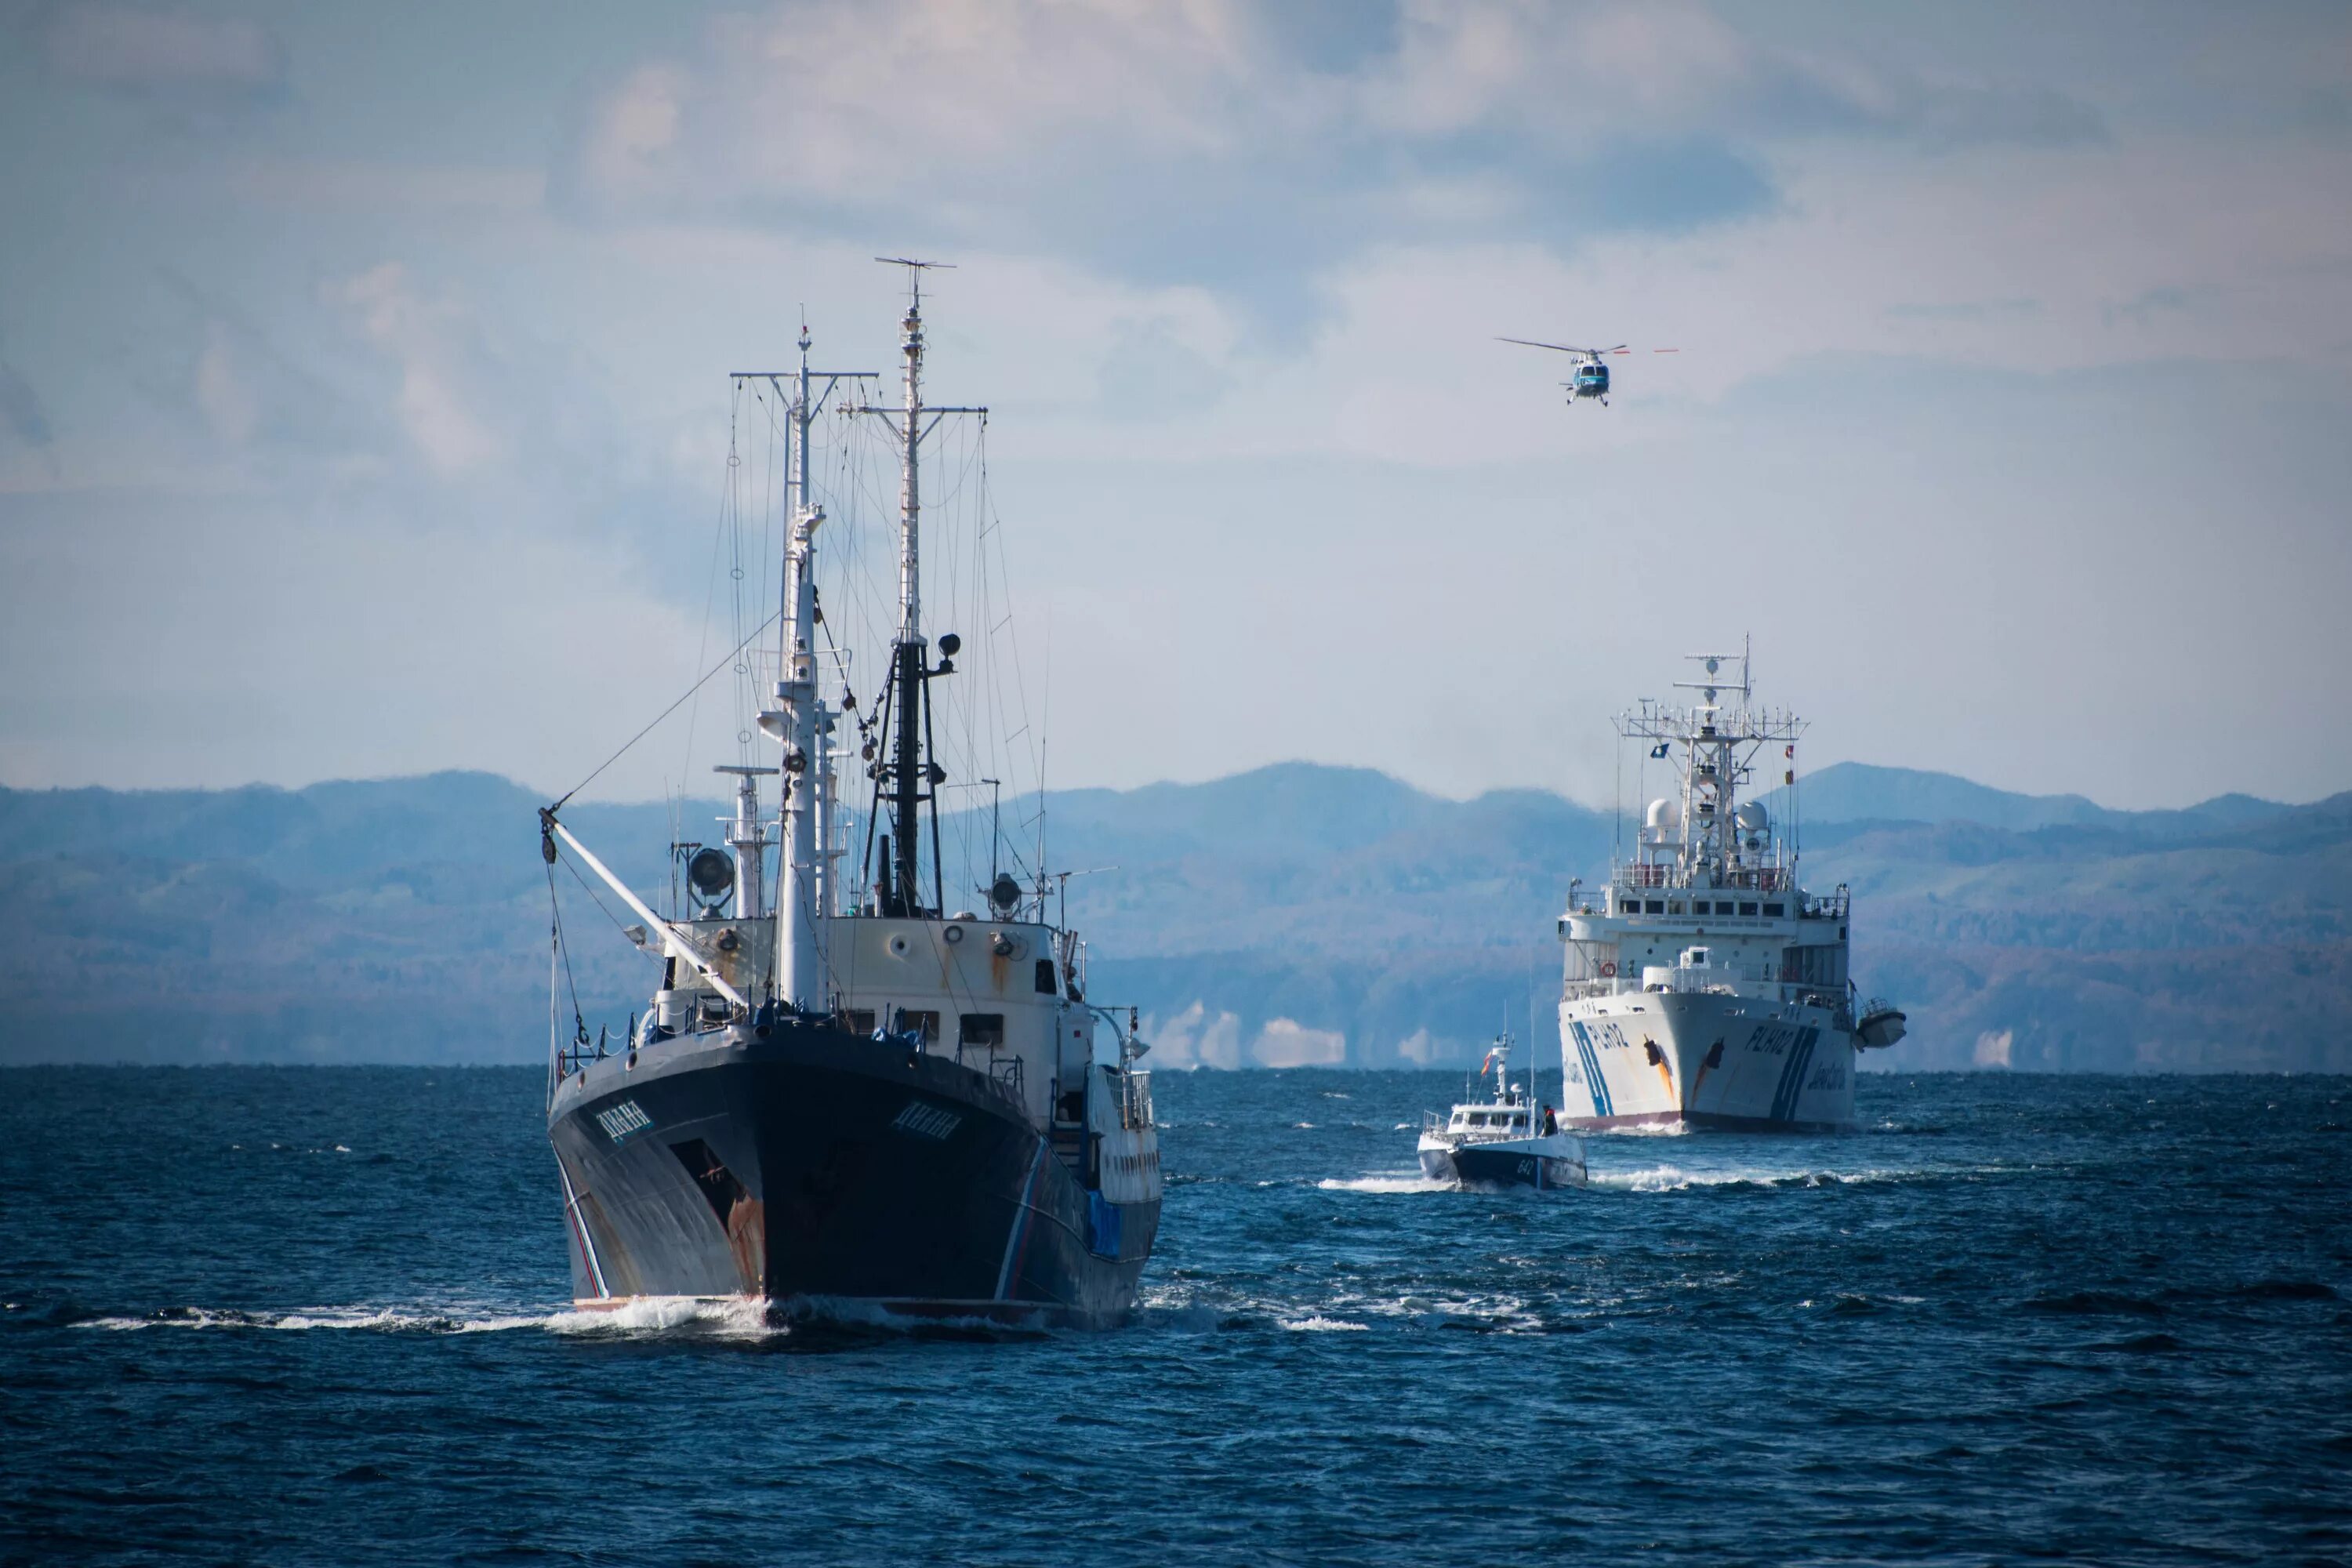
pixel 1703 986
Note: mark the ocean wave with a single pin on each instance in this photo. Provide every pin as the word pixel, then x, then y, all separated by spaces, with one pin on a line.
pixel 1322 1325
pixel 644 1315
pixel 2095 1304
pixel 380 1319
pixel 1751 1178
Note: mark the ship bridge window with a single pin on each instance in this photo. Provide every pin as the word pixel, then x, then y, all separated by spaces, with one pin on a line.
pixel 914 1021
pixel 1675 907
pixel 1654 907
pixel 1747 909
pixel 982 1031
pixel 1776 911
pixel 1046 977
pixel 861 1020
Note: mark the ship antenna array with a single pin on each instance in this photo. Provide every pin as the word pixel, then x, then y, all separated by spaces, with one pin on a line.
pixel 908 778
pixel 1718 743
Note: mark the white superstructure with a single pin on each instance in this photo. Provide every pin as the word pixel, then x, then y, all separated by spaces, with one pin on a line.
pixel 1703 986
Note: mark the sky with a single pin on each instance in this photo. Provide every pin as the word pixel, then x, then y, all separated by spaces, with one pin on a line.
pixel 364 396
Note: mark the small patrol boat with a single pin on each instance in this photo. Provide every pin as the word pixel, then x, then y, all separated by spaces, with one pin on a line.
pixel 1505 1140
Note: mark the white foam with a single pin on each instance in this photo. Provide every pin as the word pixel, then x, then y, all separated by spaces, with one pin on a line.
pixel 1322 1325
pixel 732 1317
pixel 353 1318
pixel 1399 1183
pixel 385 1319
pixel 1676 1179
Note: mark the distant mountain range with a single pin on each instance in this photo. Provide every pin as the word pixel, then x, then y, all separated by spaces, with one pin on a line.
pixel 1294 914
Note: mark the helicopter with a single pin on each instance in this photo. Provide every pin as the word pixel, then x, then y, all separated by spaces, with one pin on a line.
pixel 1591 369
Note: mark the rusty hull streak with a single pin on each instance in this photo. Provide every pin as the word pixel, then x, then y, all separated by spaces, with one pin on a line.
pixel 746 1237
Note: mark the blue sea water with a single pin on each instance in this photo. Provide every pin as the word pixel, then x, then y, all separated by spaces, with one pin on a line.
pixel 318 1315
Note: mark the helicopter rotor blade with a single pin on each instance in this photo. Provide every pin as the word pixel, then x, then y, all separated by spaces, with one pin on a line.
pixel 1665 350
pixel 1563 348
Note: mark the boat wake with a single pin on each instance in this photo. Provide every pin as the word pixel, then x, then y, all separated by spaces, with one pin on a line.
pixel 1676 1179
pixel 379 1319
pixel 648 1316
pixel 1388 1183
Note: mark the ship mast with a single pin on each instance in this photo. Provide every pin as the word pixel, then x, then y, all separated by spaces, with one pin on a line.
pixel 800 720
pixel 907 657
pixel 911 779
pixel 1716 741
pixel 797 915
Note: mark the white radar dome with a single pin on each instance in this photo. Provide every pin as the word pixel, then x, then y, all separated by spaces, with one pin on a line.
pixel 1752 817
pixel 1665 816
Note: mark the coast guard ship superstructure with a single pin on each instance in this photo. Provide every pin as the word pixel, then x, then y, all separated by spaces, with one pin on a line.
pixel 1703 986
pixel 847 1092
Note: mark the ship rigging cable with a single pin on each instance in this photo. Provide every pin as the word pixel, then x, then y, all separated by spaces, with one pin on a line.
pixel 756 633
pixel 555 913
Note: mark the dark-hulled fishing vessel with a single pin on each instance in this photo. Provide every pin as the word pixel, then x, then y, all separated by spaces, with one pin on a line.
pixel 844 1097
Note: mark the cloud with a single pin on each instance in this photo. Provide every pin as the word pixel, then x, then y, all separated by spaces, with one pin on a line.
pixel 1242 143
pixel 223 396
pixel 1556 73
pixel 21 409
pixel 245 390
pixel 1286 1042
pixel 436 352
pixel 166 53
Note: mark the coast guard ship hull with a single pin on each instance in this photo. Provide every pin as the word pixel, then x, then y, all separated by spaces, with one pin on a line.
pixel 1706 1061
pixel 812 1168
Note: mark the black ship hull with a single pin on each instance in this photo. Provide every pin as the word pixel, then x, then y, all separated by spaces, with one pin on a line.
pixel 820 1170
pixel 1510 1164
